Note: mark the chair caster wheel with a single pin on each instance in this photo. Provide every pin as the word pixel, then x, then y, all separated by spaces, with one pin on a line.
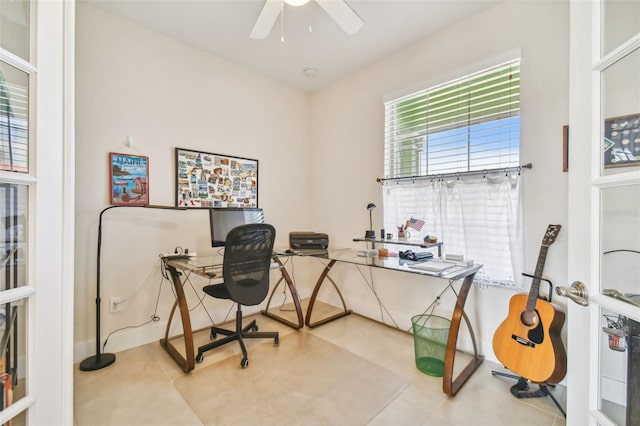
pixel 213 336
pixel 276 341
pixel 199 358
pixel 254 328
pixel 244 363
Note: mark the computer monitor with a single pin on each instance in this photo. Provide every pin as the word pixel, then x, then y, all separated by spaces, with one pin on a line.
pixel 223 220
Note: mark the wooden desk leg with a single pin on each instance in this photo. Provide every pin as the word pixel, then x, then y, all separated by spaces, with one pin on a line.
pixel 325 275
pixel 294 295
pixel 187 362
pixel 451 386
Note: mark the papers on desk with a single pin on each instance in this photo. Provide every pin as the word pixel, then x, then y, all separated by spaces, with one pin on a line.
pixel 433 266
pixel 439 267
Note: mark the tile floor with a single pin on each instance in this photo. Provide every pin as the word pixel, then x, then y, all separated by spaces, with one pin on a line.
pixel 138 389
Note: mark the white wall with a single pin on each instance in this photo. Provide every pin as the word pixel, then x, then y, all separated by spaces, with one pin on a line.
pixel 319 156
pixel 347 145
pixel 132 81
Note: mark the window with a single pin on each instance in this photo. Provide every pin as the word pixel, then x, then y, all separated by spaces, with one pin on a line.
pixel 469 124
pixel 451 159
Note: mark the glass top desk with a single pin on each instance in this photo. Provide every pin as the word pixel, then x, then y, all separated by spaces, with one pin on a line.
pixel 450 385
pixel 210 266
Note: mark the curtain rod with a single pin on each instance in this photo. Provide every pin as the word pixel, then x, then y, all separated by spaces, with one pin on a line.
pixel 446 175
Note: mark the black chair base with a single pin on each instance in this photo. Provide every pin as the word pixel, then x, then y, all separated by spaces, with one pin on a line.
pixel 249 331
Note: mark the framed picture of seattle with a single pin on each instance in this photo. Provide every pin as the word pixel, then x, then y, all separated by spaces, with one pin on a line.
pixel 206 180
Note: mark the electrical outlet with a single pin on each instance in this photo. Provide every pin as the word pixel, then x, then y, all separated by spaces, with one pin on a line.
pixel 115 304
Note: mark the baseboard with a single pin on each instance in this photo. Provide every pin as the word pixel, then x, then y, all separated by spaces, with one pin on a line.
pixel 120 341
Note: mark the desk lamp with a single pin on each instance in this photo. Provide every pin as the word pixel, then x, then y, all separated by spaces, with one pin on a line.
pixel 370 233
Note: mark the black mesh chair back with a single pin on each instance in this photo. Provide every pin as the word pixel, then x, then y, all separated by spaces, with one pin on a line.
pixel 245 270
pixel 247 262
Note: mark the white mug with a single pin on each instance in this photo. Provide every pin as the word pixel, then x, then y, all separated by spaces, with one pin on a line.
pixel 404 235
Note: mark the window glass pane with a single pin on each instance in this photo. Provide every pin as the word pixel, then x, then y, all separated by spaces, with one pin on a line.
pixel 620 263
pixel 14 27
pixel 14 119
pixel 621 108
pixel 619 368
pixel 13 235
pixel 13 317
pixel 621 22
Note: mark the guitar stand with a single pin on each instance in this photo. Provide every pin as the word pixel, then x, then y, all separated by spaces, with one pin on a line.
pixel 521 389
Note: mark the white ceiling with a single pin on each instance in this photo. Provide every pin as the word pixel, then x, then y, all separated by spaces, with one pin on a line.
pixel 222 28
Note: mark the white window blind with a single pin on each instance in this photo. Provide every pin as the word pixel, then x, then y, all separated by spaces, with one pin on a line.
pixel 452 138
pixel 469 124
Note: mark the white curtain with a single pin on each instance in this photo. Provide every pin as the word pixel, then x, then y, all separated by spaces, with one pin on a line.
pixel 478 216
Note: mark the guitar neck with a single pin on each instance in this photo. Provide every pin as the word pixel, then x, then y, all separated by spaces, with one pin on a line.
pixel 535 284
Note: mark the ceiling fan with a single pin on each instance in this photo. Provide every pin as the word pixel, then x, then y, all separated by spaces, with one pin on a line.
pixel 339 10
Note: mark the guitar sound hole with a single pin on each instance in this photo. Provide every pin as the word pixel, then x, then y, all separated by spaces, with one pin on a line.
pixel 529 318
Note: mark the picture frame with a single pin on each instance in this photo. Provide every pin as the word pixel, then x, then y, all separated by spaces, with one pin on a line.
pixel 128 179
pixel 207 180
pixel 621 144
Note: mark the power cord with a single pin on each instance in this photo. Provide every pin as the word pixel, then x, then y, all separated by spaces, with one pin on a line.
pixel 381 305
pixel 154 317
pixel 436 302
pixel 164 275
pixel 284 288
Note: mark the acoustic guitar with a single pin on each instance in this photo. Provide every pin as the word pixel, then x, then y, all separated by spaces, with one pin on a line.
pixel 528 340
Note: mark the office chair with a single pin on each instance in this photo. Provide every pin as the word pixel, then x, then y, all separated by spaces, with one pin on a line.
pixel 245 271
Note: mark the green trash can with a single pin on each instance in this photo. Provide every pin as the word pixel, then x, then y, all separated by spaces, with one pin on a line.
pixel 430 334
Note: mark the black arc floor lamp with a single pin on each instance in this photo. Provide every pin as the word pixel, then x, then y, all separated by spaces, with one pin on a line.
pixel 101 360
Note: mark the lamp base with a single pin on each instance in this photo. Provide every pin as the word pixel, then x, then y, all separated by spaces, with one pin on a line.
pixel 370 234
pixel 97 362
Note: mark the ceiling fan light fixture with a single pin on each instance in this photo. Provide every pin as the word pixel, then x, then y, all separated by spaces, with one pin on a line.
pixel 339 10
pixel 296 3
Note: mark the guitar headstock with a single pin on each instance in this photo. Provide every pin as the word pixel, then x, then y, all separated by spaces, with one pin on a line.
pixel 551 234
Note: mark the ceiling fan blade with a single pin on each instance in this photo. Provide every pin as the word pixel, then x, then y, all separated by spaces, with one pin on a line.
pixel 346 17
pixel 267 18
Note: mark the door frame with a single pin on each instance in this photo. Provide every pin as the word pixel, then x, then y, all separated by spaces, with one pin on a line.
pixel 55 168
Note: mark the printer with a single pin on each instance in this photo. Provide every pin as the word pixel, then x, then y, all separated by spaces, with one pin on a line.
pixel 308 240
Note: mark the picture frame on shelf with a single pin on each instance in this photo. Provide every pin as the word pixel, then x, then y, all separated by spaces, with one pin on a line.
pixel 129 179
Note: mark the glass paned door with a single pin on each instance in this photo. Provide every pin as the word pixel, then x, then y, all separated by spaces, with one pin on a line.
pixel 616 215
pixel 604 213
pixel 16 211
